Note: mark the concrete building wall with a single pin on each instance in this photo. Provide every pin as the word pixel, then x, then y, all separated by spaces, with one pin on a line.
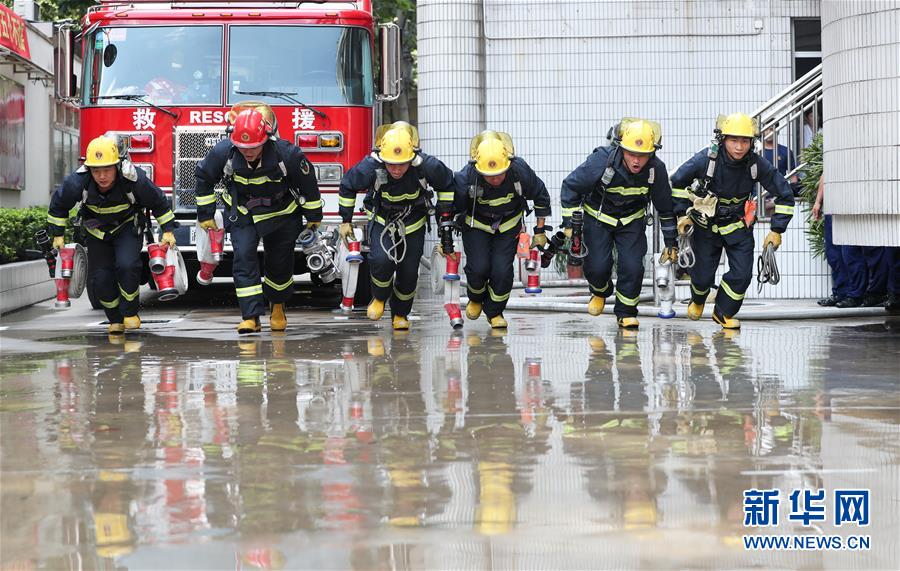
pixel 38 119
pixel 861 78
pixel 557 75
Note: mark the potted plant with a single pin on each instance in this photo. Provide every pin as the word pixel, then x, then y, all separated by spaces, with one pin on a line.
pixel 811 157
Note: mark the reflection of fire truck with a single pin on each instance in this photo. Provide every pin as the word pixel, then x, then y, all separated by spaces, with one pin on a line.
pixel 166 73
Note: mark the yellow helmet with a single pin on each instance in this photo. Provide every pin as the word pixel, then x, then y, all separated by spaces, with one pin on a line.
pixel 737 125
pixel 639 136
pixel 397 142
pixel 490 134
pixel 491 157
pixel 101 152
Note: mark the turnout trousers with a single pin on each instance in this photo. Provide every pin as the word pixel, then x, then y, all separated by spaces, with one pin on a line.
pixel 279 242
pixel 489 267
pixel 395 281
pixel 708 245
pixel 115 271
pixel 630 242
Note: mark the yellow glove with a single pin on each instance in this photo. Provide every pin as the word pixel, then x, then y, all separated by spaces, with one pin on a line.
pixel 567 232
pixel 684 222
pixel 346 232
pixel 773 238
pixel 209 224
pixel 669 254
pixel 313 226
pixel 440 249
pixel 168 239
pixel 59 242
pixel 539 240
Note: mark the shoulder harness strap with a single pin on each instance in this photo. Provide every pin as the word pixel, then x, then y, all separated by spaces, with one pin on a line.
pixel 381 179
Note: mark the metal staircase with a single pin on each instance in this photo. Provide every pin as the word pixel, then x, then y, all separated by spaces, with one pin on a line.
pixel 784 114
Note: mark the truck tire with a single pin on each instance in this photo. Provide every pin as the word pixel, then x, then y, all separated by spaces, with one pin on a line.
pixel 92 295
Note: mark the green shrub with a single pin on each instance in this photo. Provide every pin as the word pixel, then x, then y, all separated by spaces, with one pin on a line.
pixel 17 228
pixel 811 156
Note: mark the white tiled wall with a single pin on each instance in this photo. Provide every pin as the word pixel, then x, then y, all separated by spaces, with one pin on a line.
pixel 556 75
pixel 861 78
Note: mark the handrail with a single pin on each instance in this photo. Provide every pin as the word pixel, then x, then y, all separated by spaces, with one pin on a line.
pixel 815 74
pixel 782 119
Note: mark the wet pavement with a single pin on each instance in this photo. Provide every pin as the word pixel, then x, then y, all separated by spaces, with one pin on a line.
pixel 563 444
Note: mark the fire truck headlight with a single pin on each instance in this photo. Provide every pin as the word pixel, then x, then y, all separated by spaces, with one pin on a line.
pixel 330 140
pixel 329 173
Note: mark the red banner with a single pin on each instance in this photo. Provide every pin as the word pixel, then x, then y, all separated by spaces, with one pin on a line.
pixel 12 32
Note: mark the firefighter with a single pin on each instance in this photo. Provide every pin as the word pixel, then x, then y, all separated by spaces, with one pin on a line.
pixel 396 178
pixel 270 189
pixel 614 187
pixel 114 195
pixel 492 191
pixel 720 211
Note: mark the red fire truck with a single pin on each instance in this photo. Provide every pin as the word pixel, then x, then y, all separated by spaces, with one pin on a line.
pixel 165 73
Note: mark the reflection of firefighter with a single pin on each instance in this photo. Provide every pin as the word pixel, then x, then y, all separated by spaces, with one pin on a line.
pixel 503 450
pixel 117 423
pixel 614 379
pixel 721 213
pixel 112 530
pixel 398 201
pixel 614 186
pixel 492 194
pixel 622 475
pixel 113 195
pixel 399 414
pixel 269 184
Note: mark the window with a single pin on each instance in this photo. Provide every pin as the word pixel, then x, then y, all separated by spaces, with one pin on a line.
pixel 318 65
pixel 807 46
pixel 12 135
pixel 64 140
pixel 171 65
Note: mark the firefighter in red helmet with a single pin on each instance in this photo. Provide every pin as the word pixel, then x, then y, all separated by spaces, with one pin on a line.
pixel 271 190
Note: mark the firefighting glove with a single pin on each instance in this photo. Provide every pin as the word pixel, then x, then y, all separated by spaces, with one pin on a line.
pixel 567 232
pixel 684 222
pixel 440 249
pixel 313 226
pixel 539 240
pixel 773 238
pixel 168 238
pixel 59 242
pixel 209 224
pixel 669 254
pixel 346 232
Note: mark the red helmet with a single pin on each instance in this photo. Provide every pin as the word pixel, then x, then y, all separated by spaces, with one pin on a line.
pixel 250 129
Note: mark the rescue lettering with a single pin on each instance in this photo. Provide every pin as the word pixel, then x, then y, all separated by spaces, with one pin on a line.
pixel 206 117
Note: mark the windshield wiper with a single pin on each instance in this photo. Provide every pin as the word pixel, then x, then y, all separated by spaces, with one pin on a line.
pixel 285 95
pixel 137 97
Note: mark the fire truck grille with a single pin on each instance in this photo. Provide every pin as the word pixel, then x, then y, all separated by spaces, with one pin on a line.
pixel 191 145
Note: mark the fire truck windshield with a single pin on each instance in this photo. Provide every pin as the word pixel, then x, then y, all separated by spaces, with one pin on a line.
pixel 171 65
pixel 322 65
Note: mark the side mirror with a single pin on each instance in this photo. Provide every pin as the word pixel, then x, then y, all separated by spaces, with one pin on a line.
pixel 389 38
pixel 65 63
